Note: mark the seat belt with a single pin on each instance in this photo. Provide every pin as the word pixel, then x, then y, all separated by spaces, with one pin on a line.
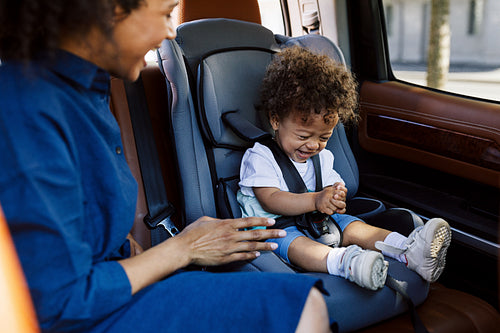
pixel 160 210
pixel 399 288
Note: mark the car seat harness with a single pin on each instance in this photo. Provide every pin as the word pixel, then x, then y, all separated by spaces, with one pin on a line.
pixel 316 225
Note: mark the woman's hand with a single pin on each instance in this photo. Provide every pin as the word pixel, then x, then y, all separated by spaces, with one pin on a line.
pixel 211 242
pixel 204 242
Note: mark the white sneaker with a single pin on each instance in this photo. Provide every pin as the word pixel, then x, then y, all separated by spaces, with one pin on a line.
pixel 366 268
pixel 425 249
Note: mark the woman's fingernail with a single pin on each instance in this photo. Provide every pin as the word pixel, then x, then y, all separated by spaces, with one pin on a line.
pixel 274 246
pixel 282 233
pixel 271 221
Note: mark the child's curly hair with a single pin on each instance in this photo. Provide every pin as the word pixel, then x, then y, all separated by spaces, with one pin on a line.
pixel 298 79
pixel 29 27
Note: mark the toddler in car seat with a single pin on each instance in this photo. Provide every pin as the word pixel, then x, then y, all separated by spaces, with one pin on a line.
pixel 304 95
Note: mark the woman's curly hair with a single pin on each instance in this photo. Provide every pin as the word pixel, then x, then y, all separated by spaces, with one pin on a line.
pixel 29 27
pixel 298 79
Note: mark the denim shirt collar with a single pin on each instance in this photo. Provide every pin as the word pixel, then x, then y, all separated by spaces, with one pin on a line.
pixel 80 71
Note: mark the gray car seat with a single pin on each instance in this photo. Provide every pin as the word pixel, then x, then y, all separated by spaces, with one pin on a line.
pixel 215 66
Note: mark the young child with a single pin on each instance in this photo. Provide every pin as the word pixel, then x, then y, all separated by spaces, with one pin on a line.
pixel 304 96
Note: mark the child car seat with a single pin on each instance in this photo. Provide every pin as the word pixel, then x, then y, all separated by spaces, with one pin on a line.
pixel 216 66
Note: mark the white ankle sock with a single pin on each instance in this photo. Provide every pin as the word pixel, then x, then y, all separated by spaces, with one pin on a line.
pixel 333 260
pixel 395 239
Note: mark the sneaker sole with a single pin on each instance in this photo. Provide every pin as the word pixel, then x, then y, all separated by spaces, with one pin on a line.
pixel 379 273
pixel 438 248
pixel 374 271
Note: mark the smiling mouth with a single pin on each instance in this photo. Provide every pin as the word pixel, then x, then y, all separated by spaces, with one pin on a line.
pixel 305 155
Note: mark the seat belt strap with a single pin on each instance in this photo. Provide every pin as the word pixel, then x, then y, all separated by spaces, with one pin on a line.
pixel 160 210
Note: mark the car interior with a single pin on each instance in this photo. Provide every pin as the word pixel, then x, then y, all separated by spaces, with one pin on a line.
pixel 415 150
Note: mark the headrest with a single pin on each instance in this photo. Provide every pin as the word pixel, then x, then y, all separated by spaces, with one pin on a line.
pixel 228 85
pixel 202 36
pixel 315 43
pixel 245 10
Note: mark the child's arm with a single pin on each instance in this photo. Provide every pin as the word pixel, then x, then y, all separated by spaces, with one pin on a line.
pixel 275 201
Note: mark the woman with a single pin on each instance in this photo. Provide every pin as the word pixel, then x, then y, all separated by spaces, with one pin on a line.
pixel 69 196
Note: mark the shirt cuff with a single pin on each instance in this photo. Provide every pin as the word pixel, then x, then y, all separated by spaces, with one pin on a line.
pixel 113 287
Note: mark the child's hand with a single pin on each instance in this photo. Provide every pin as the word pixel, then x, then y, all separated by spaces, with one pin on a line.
pixel 340 191
pixel 326 201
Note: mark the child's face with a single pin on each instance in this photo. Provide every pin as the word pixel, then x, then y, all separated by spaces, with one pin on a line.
pixel 300 140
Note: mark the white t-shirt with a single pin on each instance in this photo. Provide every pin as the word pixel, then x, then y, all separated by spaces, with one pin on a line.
pixel 260 169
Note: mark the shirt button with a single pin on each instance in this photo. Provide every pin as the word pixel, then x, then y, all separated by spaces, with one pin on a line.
pixel 118 150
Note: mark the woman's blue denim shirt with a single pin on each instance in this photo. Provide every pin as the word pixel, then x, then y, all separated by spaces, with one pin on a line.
pixel 65 187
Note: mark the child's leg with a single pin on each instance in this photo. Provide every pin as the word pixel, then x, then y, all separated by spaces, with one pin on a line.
pixel 364 235
pixel 366 268
pixel 308 254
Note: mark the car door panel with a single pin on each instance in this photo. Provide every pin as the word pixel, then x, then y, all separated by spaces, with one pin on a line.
pixel 437 130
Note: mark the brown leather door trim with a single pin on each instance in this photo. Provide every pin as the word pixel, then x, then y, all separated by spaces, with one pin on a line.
pixel 468 148
pixel 440 131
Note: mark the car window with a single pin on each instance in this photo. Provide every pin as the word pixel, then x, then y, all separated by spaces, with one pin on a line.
pixel 467 60
pixel 272 16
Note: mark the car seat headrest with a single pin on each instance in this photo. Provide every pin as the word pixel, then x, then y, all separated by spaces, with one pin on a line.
pixel 315 43
pixel 229 80
pixel 200 37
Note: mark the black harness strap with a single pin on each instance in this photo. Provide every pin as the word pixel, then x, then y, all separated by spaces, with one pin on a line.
pixel 293 180
pixel 317 172
pixel 290 173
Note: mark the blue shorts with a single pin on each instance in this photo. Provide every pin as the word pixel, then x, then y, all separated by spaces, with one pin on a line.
pixel 343 220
